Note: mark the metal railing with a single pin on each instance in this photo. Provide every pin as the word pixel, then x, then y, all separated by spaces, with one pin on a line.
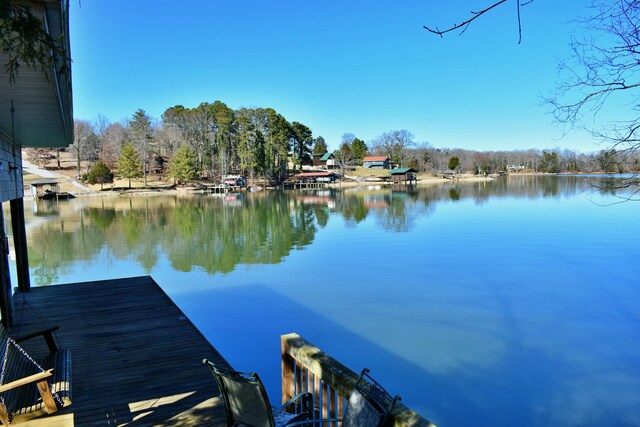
pixel 306 368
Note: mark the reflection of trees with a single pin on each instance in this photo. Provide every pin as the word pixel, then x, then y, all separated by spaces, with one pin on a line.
pixel 216 235
pixel 403 211
pixel 193 232
pixel 55 248
pixel 352 206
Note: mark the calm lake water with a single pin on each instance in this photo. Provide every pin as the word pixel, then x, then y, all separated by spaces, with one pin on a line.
pixel 511 302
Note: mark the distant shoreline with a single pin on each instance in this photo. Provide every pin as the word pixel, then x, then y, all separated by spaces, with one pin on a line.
pixel 158 190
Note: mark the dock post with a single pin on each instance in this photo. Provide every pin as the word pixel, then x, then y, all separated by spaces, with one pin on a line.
pixel 20 244
pixel 6 300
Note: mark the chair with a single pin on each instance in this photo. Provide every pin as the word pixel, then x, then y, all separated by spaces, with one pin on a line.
pixel 369 405
pixel 246 401
pixel 32 387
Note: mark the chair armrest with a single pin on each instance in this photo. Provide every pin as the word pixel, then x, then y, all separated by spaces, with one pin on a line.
pixel 307 401
pixel 48 337
pixel 35 378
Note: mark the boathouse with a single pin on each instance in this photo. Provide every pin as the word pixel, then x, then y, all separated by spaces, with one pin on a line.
pixel 403 175
pixel 41 188
pixel 377 162
pixel 315 177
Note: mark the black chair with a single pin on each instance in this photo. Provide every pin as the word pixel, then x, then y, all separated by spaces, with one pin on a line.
pixel 369 405
pixel 246 402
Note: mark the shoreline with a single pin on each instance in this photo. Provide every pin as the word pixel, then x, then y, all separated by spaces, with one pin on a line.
pixel 189 190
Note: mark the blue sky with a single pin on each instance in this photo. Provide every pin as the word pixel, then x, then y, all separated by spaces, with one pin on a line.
pixel 336 66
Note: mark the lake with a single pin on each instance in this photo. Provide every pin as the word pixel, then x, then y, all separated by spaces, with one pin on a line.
pixel 510 302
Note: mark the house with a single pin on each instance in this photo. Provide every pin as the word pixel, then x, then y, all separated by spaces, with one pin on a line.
pixel 39 115
pixel 377 162
pixel 403 175
pixel 315 160
pixel 328 160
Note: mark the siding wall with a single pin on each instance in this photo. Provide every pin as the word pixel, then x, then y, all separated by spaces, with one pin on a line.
pixel 11 186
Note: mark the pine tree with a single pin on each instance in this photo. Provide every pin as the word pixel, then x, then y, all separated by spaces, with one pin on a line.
pixel 100 174
pixel 141 129
pixel 184 165
pixel 129 165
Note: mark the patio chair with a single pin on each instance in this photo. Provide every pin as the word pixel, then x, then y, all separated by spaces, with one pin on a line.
pixel 246 401
pixel 369 404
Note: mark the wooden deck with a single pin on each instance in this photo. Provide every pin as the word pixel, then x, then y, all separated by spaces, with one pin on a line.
pixel 136 359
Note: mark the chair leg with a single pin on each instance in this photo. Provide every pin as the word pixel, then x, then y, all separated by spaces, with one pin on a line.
pixel 4 415
pixel 47 398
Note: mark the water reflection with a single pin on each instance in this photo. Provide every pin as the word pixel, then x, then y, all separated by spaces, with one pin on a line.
pixel 492 296
pixel 211 233
pixel 218 233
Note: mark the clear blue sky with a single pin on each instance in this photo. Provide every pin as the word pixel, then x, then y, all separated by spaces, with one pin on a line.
pixel 364 67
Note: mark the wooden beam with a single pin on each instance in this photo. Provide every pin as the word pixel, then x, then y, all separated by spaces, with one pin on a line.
pixel 26 380
pixel 47 398
pixel 20 244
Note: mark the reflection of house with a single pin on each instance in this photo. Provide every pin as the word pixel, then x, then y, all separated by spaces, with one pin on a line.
pixel 319 200
pixel 407 175
pixel 376 162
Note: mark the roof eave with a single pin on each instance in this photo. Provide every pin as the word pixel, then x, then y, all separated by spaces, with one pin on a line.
pixel 42 108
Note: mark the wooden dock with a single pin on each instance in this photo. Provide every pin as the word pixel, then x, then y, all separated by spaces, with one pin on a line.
pixel 136 359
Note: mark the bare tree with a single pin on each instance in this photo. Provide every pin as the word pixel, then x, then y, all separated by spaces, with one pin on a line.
pixel 84 140
pixel 113 139
pixel 344 156
pixel 600 79
pixel 394 144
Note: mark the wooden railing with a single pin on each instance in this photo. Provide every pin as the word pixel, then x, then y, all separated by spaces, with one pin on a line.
pixel 306 368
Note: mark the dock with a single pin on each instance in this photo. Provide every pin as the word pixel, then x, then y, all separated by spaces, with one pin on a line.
pixel 136 358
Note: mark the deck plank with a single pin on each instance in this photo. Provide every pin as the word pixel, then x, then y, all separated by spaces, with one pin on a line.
pixel 136 358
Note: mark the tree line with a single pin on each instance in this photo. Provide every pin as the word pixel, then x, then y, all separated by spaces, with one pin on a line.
pixel 213 140
pixel 208 141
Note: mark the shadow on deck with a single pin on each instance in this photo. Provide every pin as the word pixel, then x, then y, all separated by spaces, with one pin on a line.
pixel 136 358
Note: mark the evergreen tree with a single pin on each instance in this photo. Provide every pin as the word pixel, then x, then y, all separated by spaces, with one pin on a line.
pixel 100 174
pixel 141 130
pixel 129 165
pixel 184 165
pixel 320 145
pixel 224 118
pixel 359 149
pixel 302 141
pixel 454 162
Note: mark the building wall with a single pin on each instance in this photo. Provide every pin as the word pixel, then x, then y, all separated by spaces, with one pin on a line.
pixel 11 186
pixel 378 165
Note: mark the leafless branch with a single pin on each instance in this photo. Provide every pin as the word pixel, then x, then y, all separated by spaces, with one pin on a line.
pixel 475 15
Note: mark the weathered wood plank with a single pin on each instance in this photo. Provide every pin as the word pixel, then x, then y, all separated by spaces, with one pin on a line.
pixel 135 355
